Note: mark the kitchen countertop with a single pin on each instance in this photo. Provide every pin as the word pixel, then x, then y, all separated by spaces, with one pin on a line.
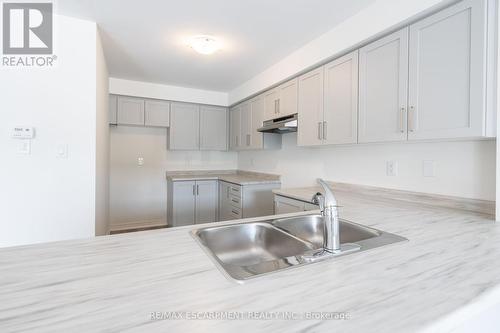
pixel 238 177
pixel 114 283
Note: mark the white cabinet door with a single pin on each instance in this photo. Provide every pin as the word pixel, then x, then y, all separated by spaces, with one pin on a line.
pixel 213 128
pixel 310 111
pixel 447 61
pixel 113 103
pixel 157 113
pixel 235 128
pixel 206 201
pixel 283 205
pixel 383 85
pixel 184 132
pixel 130 111
pixel 257 108
pixel 271 99
pixel 341 100
pixel 288 94
pixel 246 125
pixel 183 206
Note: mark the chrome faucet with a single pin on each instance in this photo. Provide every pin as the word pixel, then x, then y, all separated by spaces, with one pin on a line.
pixel 328 206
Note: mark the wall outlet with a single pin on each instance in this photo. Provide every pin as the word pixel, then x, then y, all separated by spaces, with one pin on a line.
pixel 140 161
pixel 429 169
pixel 62 151
pixel 392 168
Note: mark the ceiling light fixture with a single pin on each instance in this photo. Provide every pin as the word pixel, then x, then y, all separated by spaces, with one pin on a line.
pixel 204 44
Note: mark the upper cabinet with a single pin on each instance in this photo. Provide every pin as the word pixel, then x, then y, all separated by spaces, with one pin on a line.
pixel 130 111
pixel 195 127
pixel 447 71
pixel 245 119
pixel 213 128
pixel 328 103
pixel 383 86
pixel 281 101
pixel 341 100
pixel 184 134
pixel 157 113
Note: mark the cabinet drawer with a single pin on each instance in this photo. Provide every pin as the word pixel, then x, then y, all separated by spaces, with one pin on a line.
pixel 235 201
pixel 235 190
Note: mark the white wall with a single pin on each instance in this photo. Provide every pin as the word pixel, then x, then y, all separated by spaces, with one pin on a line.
pixel 463 168
pixel 375 19
pixel 102 142
pixel 166 92
pixel 138 194
pixel 43 197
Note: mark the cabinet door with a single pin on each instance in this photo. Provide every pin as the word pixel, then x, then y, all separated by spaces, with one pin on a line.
pixel 130 111
pixel 284 205
pixel 246 125
pixel 184 132
pixel 235 128
pixel 113 103
pixel 213 128
pixel 383 83
pixel 206 201
pixel 157 113
pixel 341 100
pixel 271 99
pixel 184 194
pixel 257 108
pixel 447 76
pixel 310 129
pixel 288 95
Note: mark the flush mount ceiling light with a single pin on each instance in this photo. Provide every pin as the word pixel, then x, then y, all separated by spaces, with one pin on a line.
pixel 204 44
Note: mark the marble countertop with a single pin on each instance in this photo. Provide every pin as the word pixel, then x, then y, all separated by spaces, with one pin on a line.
pixel 238 177
pixel 114 283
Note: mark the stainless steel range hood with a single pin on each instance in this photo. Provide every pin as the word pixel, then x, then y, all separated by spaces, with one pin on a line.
pixel 282 125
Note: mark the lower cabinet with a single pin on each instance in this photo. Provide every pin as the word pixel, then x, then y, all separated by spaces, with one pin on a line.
pixel 284 205
pixel 191 202
pixel 245 201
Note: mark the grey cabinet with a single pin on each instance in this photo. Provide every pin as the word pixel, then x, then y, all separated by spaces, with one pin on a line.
pixel 157 113
pixel 130 111
pixel 113 105
pixel 245 201
pixel 191 202
pixel 383 88
pixel 184 131
pixel 235 128
pixel 311 104
pixel 282 100
pixel 213 128
pixel 284 205
pixel 447 64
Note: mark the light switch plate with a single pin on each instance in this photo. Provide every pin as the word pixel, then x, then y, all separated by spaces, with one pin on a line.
pixel 62 151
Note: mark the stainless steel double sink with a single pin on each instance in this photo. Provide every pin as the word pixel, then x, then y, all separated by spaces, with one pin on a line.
pixel 246 250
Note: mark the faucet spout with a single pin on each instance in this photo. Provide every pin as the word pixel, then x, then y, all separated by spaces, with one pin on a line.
pixel 328 206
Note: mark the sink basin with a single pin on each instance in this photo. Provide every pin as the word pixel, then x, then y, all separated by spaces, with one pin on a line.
pixel 247 250
pixel 250 244
pixel 310 228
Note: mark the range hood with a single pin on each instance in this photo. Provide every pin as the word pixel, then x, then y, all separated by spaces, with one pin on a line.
pixel 282 125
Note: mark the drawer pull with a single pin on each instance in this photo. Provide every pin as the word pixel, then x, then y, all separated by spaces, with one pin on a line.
pixel 237 213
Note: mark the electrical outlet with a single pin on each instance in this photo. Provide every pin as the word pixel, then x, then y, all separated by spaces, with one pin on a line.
pixel 392 168
pixel 140 161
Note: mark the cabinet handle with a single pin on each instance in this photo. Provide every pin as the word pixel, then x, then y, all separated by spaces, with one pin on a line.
pixel 236 141
pixel 234 212
pixel 197 189
pixel 235 201
pixel 194 189
pixel 411 120
pixel 275 106
pixel 320 128
pixel 227 192
pixel 278 105
pixel 248 139
pixel 402 119
pixel 325 130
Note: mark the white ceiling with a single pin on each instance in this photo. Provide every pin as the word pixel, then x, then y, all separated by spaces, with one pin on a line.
pixel 143 39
